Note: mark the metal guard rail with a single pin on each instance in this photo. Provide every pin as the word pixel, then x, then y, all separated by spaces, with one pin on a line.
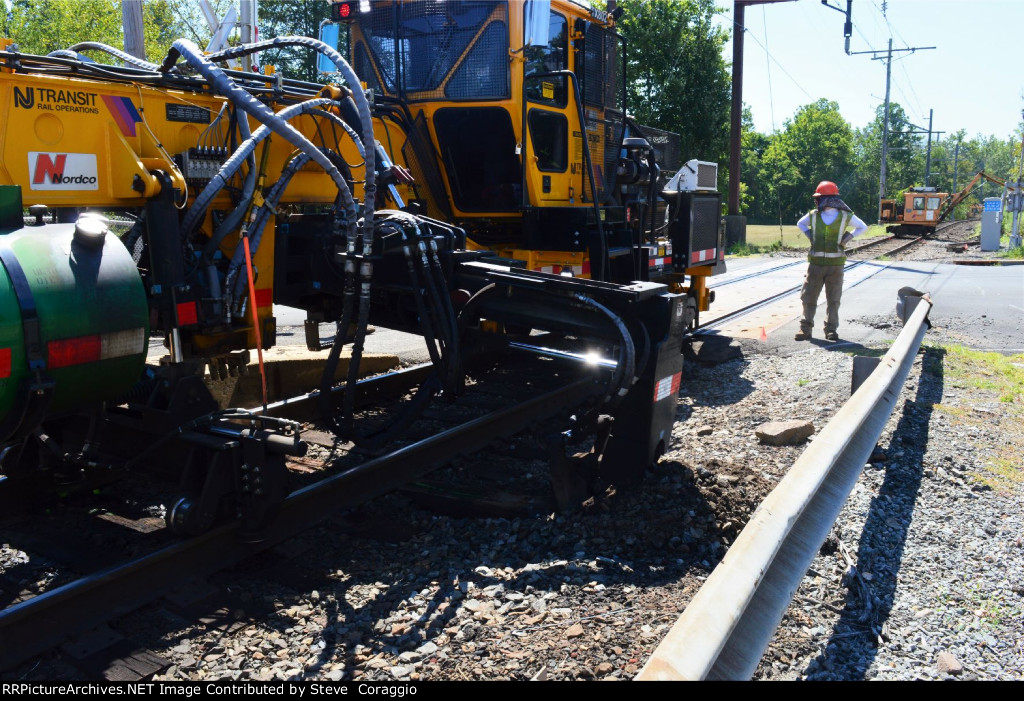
pixel 728 625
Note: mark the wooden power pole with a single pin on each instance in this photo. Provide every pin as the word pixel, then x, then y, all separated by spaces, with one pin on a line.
pixel 131 21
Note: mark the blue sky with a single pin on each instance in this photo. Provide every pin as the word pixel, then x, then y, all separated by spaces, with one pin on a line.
pixel 973 80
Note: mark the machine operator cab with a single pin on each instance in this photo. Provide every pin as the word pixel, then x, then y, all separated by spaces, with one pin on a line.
pixel 512 117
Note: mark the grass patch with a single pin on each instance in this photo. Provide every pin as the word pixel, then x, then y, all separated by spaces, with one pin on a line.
pixel 1014 253
pixel 763 235
pixel 955 412
pixel 991 393
pixel 751 249
pixel 991 372
pixel 764 238
pixel 1003 473
pixel 802 382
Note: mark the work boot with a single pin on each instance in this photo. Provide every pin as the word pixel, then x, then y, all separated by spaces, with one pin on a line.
pixel 831 336
pixel 803 335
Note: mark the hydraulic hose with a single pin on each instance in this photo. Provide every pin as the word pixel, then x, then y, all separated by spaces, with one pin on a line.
pixel 277 123
pixel 259 220
pixel 350 78
pixel 115 52
pixel 625 369
pixel 232 221
pixel 67 53
pixel 341 329
pixel 234 162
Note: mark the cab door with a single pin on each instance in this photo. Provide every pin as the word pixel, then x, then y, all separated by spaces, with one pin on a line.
pixel 550 114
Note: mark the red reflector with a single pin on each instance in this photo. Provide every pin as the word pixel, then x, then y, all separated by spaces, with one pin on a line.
pixel 264 298
pixel 341 11
pixel 73 351
pixel 187 314
pixel 5 363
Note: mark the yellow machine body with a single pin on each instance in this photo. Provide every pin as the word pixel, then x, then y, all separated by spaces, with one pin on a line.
pixel 80 143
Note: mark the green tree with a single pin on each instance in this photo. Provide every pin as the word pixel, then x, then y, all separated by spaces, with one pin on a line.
pixel 754 193
pixel 292 18
pixel 815 145
pixel 42 26
pixel 677 79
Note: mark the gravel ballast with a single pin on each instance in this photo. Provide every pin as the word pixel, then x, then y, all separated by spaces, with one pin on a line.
pixel 922 576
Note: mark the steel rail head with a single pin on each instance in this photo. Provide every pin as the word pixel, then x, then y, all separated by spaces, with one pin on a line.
pixel 726 628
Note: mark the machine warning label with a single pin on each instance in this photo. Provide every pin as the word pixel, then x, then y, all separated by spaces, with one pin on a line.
pixel 177 112
pixel 63 171
pixel 54 100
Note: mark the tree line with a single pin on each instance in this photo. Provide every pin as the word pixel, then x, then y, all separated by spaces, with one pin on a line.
pixel 779 171
pixel 677 80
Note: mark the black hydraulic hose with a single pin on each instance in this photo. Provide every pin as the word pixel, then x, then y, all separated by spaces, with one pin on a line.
pixel 348 403
pixel 362 106
pixel 247 103
pixel 232 221
pixel 625 369
pixel 447 317
pixel 115 52
pixel 441 309
pixel 340 334
pixel 421 308
pixel 234 162
pixel 432 293
pixel 425 392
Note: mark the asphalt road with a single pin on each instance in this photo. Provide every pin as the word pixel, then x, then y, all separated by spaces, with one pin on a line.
pixel 980 306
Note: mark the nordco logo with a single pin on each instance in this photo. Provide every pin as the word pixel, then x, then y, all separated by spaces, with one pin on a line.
pixel 62 171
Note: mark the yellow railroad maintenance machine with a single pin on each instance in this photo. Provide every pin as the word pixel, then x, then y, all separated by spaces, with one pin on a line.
pixel 472 177
pixel 924 208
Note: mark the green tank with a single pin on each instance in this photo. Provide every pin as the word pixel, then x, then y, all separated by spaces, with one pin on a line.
pixel 91 330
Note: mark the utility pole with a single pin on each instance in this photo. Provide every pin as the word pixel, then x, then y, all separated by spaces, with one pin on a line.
pixel 735 223
pixel 847 32
pixel 928 158
pixel 131 22
pixel 1015 239
pixel 247 28
pixel 929 131
pixel 885 130
pixel 956 164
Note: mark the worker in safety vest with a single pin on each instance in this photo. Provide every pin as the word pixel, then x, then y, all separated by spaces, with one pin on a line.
pixel 826 228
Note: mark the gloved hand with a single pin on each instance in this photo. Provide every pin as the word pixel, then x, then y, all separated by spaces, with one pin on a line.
pixel 847 237
pixel 809 235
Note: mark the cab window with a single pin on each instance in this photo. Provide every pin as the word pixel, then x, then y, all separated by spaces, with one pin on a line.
pixel 918 203
pixel 550 134
pixel 933 203
pixel 549 58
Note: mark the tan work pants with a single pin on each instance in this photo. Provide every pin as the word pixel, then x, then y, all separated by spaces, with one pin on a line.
pixel 831 278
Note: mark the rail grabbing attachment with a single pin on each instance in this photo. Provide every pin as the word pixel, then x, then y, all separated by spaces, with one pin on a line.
pixel 726 628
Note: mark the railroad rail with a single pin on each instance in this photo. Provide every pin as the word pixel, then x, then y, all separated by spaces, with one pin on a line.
pixel 892 245
pixel 725 629
pixel 32 626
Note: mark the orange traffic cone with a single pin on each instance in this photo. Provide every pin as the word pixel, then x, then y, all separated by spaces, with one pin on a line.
pixel 764 336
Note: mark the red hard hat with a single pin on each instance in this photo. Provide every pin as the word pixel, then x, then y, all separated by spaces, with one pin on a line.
pixel 826 187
